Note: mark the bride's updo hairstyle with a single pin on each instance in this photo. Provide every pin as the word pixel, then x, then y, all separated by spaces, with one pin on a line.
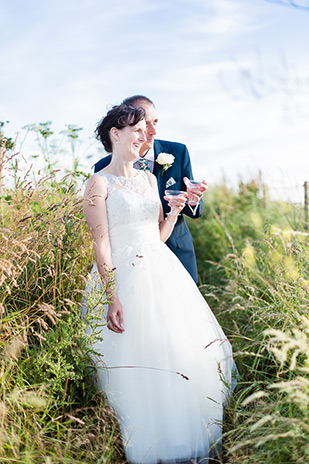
pixel 119 116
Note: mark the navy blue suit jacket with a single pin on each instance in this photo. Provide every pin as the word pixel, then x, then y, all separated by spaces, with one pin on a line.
pixel 180 241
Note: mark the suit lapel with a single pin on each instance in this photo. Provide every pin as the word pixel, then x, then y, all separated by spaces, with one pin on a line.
pixel 156 168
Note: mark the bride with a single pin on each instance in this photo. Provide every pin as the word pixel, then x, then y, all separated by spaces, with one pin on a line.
pixel 165 364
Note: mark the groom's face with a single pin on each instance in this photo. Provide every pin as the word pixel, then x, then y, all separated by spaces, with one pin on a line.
pixel 151 119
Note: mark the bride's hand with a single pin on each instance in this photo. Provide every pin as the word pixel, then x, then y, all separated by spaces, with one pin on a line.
pixel 178 202
pixel 114 316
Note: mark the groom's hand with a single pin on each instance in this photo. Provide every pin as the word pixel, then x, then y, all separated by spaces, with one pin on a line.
pixel 196 193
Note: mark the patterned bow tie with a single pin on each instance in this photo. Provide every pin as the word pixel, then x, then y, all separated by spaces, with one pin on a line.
pixel 143 164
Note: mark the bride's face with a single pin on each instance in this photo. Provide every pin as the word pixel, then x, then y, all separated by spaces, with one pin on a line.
pixel 131 138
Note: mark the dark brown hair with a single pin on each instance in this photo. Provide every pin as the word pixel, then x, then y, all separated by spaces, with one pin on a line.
pixel 119 116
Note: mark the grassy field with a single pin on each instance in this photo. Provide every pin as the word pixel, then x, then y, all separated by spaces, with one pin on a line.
pixel 253 263
pixel 253 267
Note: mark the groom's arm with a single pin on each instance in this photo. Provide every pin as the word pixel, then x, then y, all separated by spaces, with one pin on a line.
pixel 186 171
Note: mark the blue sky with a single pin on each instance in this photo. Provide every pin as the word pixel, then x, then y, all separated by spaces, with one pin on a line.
pixel 230 78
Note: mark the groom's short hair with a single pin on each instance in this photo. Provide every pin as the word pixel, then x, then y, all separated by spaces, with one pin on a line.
pixel 131 101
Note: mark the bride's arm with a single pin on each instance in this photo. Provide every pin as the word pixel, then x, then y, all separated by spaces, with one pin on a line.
pixel 96 215
pixel 166 226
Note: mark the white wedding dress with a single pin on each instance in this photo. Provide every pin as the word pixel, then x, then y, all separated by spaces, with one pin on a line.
pixel 168 375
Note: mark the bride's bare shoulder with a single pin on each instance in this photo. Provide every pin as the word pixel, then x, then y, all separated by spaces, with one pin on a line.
pixel 96 184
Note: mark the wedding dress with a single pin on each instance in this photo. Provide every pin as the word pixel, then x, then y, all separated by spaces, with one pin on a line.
pixel 169 374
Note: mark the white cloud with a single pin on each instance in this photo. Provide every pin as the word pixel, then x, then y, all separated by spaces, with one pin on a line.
pixel 70 59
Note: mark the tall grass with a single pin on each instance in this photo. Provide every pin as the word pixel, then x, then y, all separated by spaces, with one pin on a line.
pixel 253 267
pixel 255 262
pixel 49 411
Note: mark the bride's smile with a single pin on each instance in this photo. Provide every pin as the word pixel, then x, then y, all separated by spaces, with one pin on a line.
pixel 128 141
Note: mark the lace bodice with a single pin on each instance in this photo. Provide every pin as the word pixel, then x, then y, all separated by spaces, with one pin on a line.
pixel 132 208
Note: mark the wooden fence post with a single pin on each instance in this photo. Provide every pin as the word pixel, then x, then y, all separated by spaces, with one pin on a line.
pixel 306 192
pixel 2 147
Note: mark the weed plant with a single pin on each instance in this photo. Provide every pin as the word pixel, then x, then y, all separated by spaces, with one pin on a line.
pixel 253 265
pixel 49 410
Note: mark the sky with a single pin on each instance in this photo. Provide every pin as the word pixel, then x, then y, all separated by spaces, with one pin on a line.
pixel 229 78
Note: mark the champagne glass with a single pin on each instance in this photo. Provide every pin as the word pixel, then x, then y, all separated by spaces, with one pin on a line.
pixel 171 194
pixel 191 184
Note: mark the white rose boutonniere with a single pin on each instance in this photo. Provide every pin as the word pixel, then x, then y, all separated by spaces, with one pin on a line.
pixel 165 160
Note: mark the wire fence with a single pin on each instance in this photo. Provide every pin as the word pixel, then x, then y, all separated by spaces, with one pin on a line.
pixel 306 204
pixel 296 194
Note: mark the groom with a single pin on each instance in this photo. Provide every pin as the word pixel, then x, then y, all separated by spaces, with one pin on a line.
pixel 180 241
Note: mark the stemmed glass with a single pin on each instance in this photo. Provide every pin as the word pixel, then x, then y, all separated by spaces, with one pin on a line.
pixel 191 184
pixel 171 194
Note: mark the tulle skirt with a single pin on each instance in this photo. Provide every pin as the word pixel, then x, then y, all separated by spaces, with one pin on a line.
pixel 170 373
